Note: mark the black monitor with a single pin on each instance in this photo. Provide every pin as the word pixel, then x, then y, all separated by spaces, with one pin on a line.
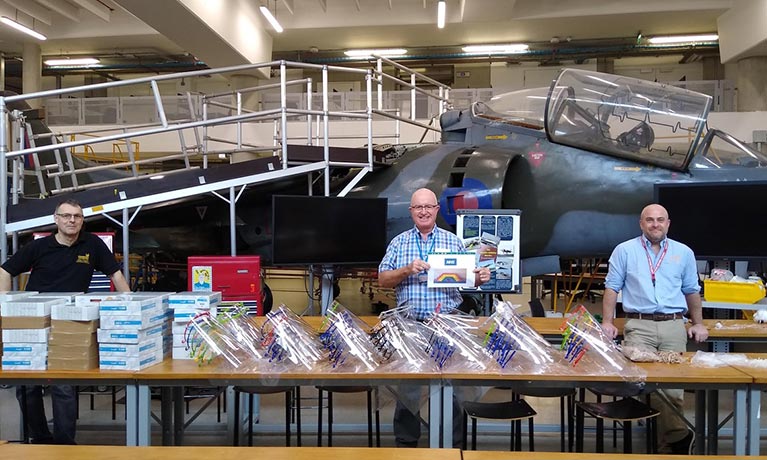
pixel 717 220
pixel 310 230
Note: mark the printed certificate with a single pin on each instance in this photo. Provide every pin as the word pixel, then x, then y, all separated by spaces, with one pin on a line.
pixel 451 270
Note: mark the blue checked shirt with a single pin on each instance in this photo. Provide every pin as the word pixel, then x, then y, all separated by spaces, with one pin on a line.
pixel 412 292
pixel 629 271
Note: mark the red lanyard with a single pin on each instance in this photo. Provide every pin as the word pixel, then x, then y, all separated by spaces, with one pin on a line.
pixel 653 268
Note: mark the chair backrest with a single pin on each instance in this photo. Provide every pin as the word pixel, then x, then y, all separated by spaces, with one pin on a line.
pixel 536 308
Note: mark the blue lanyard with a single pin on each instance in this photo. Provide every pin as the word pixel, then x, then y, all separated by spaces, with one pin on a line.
pixel 425 257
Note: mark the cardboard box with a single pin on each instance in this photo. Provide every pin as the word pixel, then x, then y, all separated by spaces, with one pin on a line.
pixel 26 322
pixel 59 350
pixel 125 350
pixel 129 335
pixel 26 307
pixel 97 297
pixel 185 314
pixel 79 327
pixel 73 339
pixel 194 299
pixel 15 295
pixel 179 340
pixel 68 296
pixel 20 349
pixel 143 320
pixel 181 353
pixel 135 363
pixel 37 363
pixel 87 312
pixel 131 306
pixel 26 335
pixel 73 364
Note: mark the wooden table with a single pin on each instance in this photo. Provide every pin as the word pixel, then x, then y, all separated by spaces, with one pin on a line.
pixel 41 452
pixel 754 402
pixel 496 455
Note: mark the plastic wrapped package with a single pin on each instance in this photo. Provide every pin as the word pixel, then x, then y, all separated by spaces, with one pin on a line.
pixel 706 359
pixel 517 347
pixel 290 343
pixel 348 342
pixel 401 343
pixel 588 349
pixel 455 344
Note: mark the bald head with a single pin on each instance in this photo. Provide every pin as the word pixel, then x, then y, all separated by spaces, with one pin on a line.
pixel 654 222
pixel 424 208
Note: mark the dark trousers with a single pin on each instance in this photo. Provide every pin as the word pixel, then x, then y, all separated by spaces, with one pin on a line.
pixel 64 400
pixel 407 424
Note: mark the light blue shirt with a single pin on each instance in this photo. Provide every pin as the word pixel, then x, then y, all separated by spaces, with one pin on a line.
pixel 412 291
pixel 676 276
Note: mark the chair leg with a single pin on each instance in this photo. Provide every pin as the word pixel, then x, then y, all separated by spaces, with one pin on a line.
pixel 250 419
pixel 378 428
pixel 562 424
pixel 114 402
pixel 330 419
pixel 600 435
pixel 370 417
pixel 530 434
pixel 288 408
pixel 473 433
pixel 465 431
pixel 570 422
pixel 297 405
pixel 319 419
pixel 237 421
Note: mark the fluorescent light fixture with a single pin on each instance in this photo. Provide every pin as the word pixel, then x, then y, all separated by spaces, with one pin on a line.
pixel 382 52
pixel 157 177
pixel 441 10
pixel 71 62
pixel 22 28
pixel 272 20
pixel 496 49
pixel 675 39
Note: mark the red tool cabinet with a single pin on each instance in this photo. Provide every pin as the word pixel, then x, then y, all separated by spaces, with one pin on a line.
pixel 237 277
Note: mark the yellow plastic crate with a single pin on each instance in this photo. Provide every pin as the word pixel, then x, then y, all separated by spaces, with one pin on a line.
pixel 725 291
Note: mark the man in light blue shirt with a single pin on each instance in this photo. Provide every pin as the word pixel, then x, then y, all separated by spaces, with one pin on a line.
pixel 658 278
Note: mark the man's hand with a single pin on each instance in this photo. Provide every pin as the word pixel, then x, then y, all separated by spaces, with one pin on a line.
pixel 482 275
pixel 609 329
pixel 417 266
pixel 698 332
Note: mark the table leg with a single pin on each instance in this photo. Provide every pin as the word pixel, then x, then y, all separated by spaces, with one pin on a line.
pixel 447 416
pixel 178 416
pixel 435 417
pixel 143 404
pixel 739 422
pixel 700 421
pixel 713 422
pixel 131 415
pixel 754 420
pixel 166 415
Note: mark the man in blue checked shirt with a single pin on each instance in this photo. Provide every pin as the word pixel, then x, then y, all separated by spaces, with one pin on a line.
pixel 404 268
pixel 658 278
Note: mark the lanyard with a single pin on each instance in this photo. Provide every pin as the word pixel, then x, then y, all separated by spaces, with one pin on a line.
pixel 653 268
pixel 430 249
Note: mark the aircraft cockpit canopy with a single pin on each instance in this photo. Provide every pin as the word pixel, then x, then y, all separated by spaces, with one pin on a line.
pixel 522 108
pixel 626 117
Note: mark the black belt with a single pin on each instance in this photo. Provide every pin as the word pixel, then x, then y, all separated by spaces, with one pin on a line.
pixel 654 316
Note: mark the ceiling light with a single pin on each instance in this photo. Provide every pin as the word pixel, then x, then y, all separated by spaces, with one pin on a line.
pixel 496 49
pixel 382 52
pixel 676 39
pixel 272 20
pixel 441 10
pixel 22 28
pixel 71 62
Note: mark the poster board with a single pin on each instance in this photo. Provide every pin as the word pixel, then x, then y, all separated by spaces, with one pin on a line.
pixel 492 235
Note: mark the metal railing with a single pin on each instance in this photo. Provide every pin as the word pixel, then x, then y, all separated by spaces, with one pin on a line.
pixel 215 121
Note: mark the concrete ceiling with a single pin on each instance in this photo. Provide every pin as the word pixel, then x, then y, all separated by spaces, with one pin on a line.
pixel 104 27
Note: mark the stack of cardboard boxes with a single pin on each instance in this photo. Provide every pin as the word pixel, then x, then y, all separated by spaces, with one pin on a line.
pixel 133 331
pixel 72 343
pixel 26 326
pixel 185 306
pixel 14 353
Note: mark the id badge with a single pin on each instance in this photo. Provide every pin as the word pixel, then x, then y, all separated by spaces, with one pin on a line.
pixel 423 277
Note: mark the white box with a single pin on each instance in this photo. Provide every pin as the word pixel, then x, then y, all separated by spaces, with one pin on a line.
pixel 125 350
pixel 68 296
pixel 181 353
pixel 185 314
pixel 129 335
pixel 28 364
pixel 24 349
pixel 86 312
pixel 27 307
pixel 85 299
pixel 179 340
pixel 15 295
pixel 134 363
pixel 194 299
pixel 123 307
pixel 26 335
pixel 143 320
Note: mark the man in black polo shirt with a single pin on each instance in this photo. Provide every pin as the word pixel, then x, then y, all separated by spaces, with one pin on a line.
pixel 62 262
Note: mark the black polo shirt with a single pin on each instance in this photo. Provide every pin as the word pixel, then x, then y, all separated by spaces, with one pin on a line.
pixel 59 268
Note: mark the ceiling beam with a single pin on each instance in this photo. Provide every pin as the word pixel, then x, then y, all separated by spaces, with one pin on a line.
pixel 289 4
pixel 33 9
pixel 324 5
pixel 95 7
pixel 63 8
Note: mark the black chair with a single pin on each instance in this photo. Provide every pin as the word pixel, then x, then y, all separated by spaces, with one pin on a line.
pixel 347 389
pixel 623 409
pixel 566 410
pixel 291 394
pixel 515 411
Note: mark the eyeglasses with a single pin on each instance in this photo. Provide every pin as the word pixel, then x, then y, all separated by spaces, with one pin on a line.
pixel 425 207
pixel 68 216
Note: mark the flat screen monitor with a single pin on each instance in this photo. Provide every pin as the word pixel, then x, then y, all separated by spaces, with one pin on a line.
pixel 310 230
pixel 717 220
